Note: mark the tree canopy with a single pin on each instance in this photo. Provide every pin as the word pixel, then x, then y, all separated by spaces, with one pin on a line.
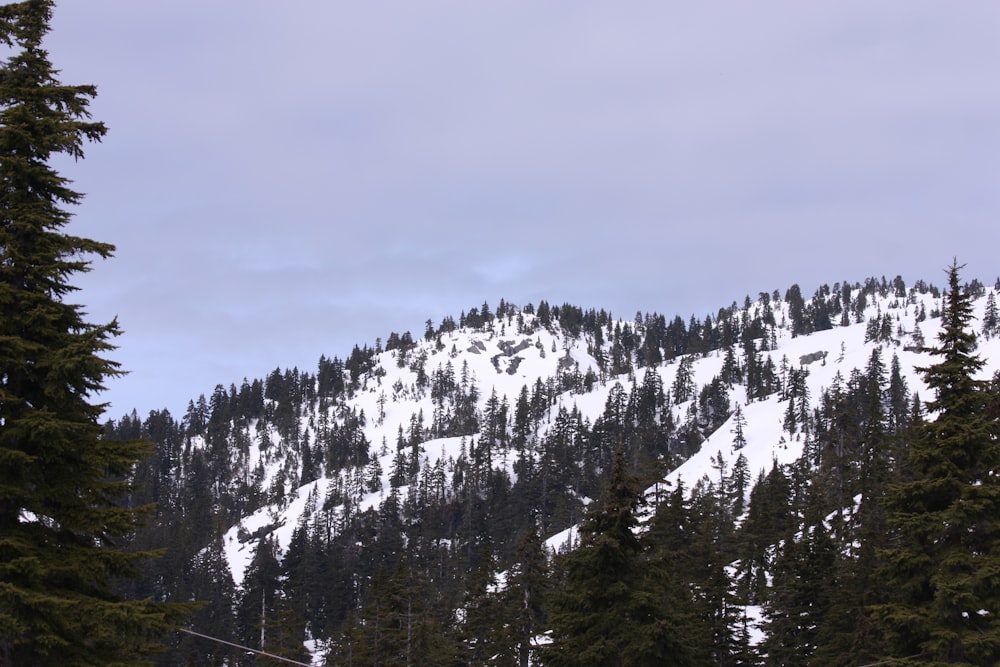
pixel 61 522
pixel 945 558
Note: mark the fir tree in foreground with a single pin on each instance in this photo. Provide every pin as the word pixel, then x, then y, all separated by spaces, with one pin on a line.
pixel 945 558
pixel 60 519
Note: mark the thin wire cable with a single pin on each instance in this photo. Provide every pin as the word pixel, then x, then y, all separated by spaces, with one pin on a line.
pixel 246 648
pixel 892 660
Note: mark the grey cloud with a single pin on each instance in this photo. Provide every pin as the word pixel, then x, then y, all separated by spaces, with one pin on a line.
pixel 285 181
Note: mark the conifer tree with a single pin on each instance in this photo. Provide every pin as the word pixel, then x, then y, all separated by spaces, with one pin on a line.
pixel 61 525
pixel 616 609
pixel 800 597
pixel 481 608
pixel 710 550
pixel 849 627
pixel 212 583
pixel 396 627
pixel 524 599
pixel 991 318
pixel 945 558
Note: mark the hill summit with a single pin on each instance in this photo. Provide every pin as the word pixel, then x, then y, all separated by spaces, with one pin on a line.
pixel 423 494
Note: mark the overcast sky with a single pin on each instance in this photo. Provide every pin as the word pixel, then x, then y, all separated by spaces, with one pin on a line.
pixel 284 180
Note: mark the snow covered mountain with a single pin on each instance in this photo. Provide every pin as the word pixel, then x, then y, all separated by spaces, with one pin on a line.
pixel 508 354
pixel 453 442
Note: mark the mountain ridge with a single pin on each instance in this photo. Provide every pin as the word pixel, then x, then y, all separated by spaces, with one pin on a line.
pixel 533 394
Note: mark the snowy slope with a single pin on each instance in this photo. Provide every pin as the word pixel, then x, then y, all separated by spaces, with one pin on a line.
pixel 767 441
pixel 506 356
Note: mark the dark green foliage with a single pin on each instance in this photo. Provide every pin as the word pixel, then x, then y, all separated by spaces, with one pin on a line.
pixel 708 550
pixel 395 626
pixel 260 598
pixel 212 583
pixel 796 310
pixel 61 527
pixel 850 627
pixel 767 521
pixel 991 318
pixel 482 635
pixel 945 553
pixel 523 611
pixel 800 599
pixel 616 606
pixel 417 577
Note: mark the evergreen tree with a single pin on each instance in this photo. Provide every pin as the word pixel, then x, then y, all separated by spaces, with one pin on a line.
pixel 799 599
pixel 849 627
pixel 739 483
pixel 302 576
pixel 945 558
pixel 710 551
pixel 212 583
pixel 396 628
pixel 768 520
pixel 524 599
pixel 616 608
pixel 481 610
pixel 260 598
pixel 739 424
pixel 683 387
pixel 991 318
pixel 61 527
pixel 796 310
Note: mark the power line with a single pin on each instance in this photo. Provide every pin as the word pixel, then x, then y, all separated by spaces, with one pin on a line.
pixel 246 648
pixel 892 660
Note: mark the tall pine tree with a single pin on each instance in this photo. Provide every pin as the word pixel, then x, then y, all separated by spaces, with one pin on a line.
pixel 60 519
pixel 617 607
pixel 524 599
pixel 945 559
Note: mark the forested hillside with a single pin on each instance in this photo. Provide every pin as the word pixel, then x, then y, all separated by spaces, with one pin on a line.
pixel 554 485
pixel 795 479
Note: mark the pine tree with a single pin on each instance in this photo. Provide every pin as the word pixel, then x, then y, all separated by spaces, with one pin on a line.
pixel 991 318
pixel 799 598
pixel 211 582
pixel 61 525
pixel 945 558
pixel 739 426
pixel 524 599
pixel 481 609
pixel 849 627
pixel 616 608
pixel 768 519
pixel 396 628
pixel 710 551
pixel 261 593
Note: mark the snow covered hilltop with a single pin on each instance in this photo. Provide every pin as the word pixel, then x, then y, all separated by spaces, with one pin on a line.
pixel 370 507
